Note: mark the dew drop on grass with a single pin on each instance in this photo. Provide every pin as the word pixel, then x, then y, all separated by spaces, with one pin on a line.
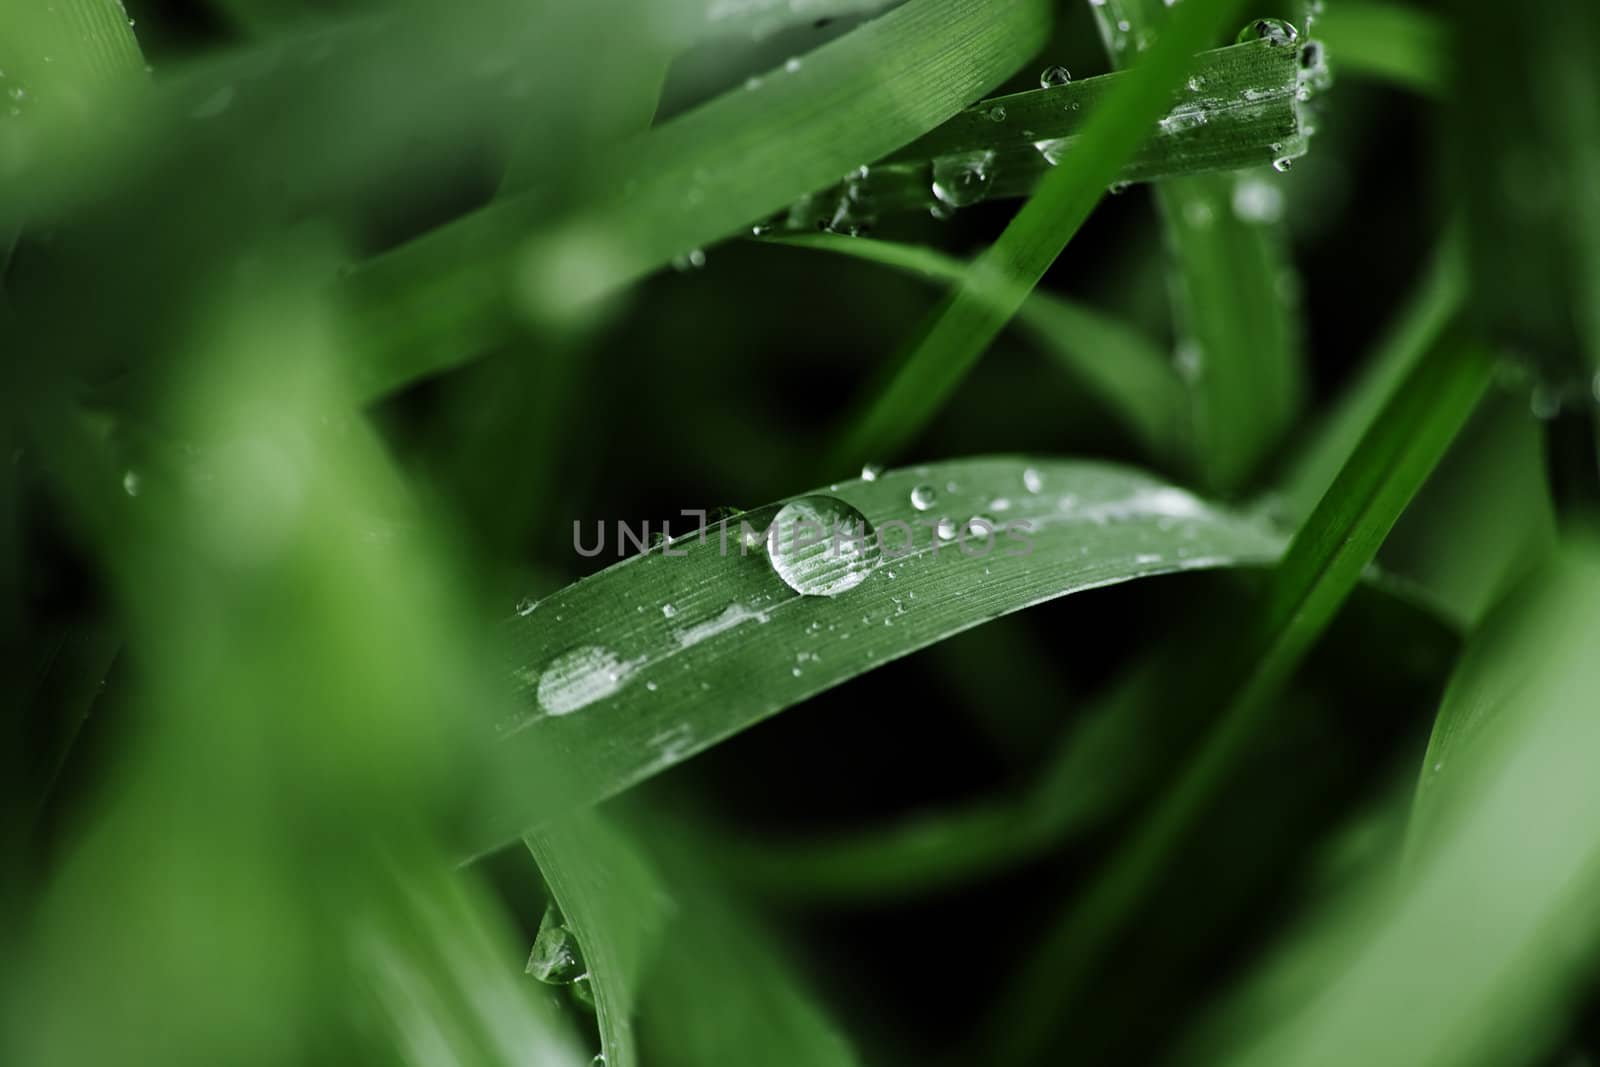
pixel 576 679
pixel 792 64
pixel 963 178
pixel 1255 200
pixel 923 496
pixel 946 529
pixel 583 990
pixel 131 483
pixel 526 605
pixel 821 546
pixel 1053 149
pixel 1053 76
pixel 693 259
pixel 1032 480
pixel 1274 31
pixel 599 1060
pixel 669 610
pixel 996 114
pixel 556 958
pixel 870 472
pixel 1282 164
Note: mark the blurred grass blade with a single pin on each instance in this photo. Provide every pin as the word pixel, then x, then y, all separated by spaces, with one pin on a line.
pixel 1392 42
pixel 1113 360
pixel 1316 575
pixel 1420 325
pixel 616 907
pixel 637 668
pixel 1480 955
pixel 1234 291
pixel 954 337
pixel 696 179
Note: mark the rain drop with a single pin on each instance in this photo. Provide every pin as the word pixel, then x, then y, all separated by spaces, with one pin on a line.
pixel 996 114
pixel 576 679
pixel 1282 164
pixel 556 958
pixel 923 496
pixel 668 610
pixel 870 472
pixel 946 529
pixel 821 546
pixel 963 178
pixel 1032 480
pixel 1053 76
pixel 693 259
pixel 1274 31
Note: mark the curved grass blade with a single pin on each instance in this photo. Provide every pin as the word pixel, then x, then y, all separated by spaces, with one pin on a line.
pixel 637 668
pixel 698 178
pixel 953 338
pixel 1316 575
pixel 1113 360
pixel 1388 42
pixel 614 904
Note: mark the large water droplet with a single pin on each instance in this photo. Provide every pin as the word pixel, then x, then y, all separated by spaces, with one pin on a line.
pixel 821 546
pixel 963 178
pixel 556 957
pixel 923 496
pixel 578 678
pixel 1273 31
pixel 1053 76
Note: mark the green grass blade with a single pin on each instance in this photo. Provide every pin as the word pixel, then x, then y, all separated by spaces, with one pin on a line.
pixel 951 341
pixel 1316 575
pixel 696 179
pixel 1424 319
pixel 1388 42
pixel 1111 359
pixel 1484 950
pixel 1233 286
pixel 662 656
pixel 615 905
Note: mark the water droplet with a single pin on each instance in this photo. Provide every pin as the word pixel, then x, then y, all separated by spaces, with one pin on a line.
pixel 821 546
pixel 1184 117
pixel 556 958
pixel 1053 149
pixel 761 229
pixel 792 64
pixel 526 605
pixel 940 212
pixel 752 83
pixel 131 483
pixel 946 529
pixel 583 991
pixel 996 113
pixel 870 472
pixel 576 679
pixel 923 496
pixel 1118 188
pixel 1274 31
pixel 599 1060
pixel 1053 76
pixel 1282 164
pixel 668 610
pixel 963 178
pixel 1196 83
pixel 1032 480
pixel 693 259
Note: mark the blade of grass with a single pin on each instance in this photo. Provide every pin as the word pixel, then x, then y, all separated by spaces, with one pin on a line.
pixel 1316 575
pixel 1388 42
pixel 700 177
pixel 1476 957
pixel 1233 289
pixel 953 338
pixel 615 905
pixel 685 651
pixel 1113 360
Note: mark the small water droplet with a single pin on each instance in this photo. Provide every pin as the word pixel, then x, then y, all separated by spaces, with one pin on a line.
pixel 1053 76
pixel 752 83
pixel 821 546
pixel 693 259
pixel 1274 31
pixel 131 483
pixel 923 496
pixel 996 113
pixel 1255 200
pixel 870 472
pixel 1032 480
pixel 792 64
pixel 583 991
pixel 1053 149
pixel 963 178
pixel 946 529
pixel 668 610
pixel 1282 164
pixel 1118 188
pixel 556 958
pixel 526 605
